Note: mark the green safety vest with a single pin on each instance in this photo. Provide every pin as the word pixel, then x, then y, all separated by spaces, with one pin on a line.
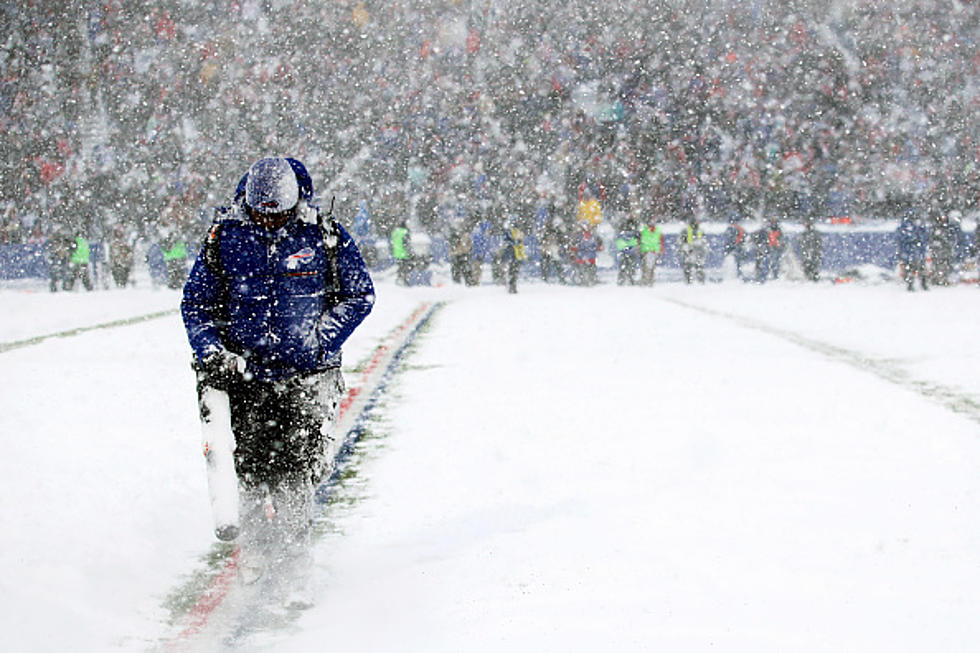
pixel 81 254
pixel 398 249
pixel 650 240
pixel 625 243
pixel 178 251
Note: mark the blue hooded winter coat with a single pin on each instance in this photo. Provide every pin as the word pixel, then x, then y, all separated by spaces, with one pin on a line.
pixel 913 241
pixel 270 296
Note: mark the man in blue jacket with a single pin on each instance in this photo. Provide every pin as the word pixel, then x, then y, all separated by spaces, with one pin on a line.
pixel 276 290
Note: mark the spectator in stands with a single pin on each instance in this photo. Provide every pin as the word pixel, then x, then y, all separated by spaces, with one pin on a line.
pixel 776 110
pixel 11 230
pixel 589 207
pixel 37 233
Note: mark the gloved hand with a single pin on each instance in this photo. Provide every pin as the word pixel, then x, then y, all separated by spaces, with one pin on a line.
pixel 223 367
pixel 326 333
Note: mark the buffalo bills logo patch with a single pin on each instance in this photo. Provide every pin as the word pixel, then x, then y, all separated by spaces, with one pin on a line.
pixel 303 257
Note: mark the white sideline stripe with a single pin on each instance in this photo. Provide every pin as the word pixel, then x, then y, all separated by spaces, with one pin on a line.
pixel 17 344
pixel 951 398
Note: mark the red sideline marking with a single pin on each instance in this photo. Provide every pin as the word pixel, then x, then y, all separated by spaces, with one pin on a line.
pixel 375 362
pixel 212 597
pixel 216 593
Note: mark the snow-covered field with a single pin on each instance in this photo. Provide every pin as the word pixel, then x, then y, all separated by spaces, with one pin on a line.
pixel 728 467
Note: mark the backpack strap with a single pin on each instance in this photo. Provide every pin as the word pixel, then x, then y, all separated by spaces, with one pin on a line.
pixel 331 244
pixel 212 251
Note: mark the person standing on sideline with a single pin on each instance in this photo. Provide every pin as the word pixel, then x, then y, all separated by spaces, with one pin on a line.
pixel 460 247
pixel 774 248
pixel 811 250
pixel 401 251
pixel 78 264
pixel 175 259
pixel 627 251
pixel 58 248
pixel 277 289
pixel 734 243
pixel 585 250
pixel 552 251
pixel 651 250
pixel 942 248
pixel 913 242
pixel 120 256
pixel 514 254
pixel 693 249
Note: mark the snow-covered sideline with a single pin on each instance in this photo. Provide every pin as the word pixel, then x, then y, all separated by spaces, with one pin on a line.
pixel 724 467
pixel 104 496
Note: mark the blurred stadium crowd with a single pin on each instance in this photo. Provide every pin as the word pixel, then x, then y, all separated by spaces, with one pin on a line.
pixel 448 113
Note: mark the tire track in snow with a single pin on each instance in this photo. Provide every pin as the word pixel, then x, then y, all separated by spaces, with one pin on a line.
pixel 949 397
